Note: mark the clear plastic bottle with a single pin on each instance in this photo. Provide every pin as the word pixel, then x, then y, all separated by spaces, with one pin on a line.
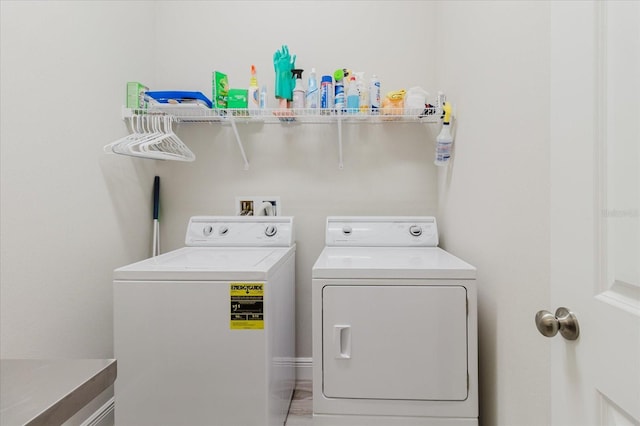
pixel 313 93
pixel 263 97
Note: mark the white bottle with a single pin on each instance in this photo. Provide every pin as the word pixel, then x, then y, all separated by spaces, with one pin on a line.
pixel 363 92
pixel 313 93
pixel 374 95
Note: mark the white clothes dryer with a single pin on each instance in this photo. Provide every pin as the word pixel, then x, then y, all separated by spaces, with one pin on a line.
pixel 205 335
pixel 394 322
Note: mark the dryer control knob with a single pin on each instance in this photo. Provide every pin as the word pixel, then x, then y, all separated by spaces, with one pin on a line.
pixel 207 230
pixel 415 230
pixel 271 231
pixel 223 230
pixel 346 230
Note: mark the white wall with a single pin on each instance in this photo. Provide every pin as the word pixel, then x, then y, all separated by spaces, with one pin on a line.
pixel 70 213
pixel 494 205
pixel 64 202
pixel 388 170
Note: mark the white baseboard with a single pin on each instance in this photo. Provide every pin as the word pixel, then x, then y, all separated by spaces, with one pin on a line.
pixel 304 369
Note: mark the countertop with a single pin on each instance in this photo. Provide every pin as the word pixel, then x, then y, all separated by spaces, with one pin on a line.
pixel 48 392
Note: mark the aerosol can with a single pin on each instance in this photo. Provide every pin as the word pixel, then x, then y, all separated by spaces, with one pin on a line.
pixel 444 141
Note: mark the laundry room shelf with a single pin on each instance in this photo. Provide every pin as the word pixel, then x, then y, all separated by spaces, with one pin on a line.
pixel 195 113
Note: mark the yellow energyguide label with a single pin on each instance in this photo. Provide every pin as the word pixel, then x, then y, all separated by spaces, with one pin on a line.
pixel 247 306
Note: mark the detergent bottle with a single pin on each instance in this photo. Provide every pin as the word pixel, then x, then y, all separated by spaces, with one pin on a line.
pixel 253 95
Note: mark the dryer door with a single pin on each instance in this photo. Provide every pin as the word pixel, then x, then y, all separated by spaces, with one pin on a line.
pixel 395 342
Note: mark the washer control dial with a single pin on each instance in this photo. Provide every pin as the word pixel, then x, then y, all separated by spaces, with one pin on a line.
pixel 347 230
pixel 223 230
pixel 271 230
pixel 415 230
pixel 207 230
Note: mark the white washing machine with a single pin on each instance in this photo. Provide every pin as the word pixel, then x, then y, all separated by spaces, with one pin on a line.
pixel 205 335
pixel 394 326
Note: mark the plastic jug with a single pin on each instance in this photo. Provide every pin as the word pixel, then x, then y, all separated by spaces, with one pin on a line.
pixel 415 100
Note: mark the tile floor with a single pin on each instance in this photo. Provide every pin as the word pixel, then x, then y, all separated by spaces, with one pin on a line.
pixel 300 411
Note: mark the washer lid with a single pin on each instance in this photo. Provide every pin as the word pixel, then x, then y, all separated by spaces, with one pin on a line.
pixel 208 263
pixel 391 262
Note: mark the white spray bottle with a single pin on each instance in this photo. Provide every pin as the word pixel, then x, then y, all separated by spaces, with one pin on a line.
pixel 444 141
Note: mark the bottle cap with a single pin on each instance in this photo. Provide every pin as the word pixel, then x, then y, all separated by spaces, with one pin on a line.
pixel 327 79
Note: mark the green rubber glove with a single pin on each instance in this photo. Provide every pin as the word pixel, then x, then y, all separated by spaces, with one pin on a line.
pixel 283 63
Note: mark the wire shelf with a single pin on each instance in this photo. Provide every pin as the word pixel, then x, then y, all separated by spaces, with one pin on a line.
pixel 194 113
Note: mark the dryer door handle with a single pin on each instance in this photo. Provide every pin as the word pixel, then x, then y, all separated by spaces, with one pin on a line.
pixel 342 341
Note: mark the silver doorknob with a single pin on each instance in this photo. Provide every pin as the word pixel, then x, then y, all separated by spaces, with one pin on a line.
pixel 563 321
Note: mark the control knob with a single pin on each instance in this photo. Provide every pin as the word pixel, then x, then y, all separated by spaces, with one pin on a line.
pixel 415 230
pixel 271 230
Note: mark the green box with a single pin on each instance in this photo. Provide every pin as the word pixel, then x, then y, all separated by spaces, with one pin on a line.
pixel 238 98
pixel 135 95
pixel 220 84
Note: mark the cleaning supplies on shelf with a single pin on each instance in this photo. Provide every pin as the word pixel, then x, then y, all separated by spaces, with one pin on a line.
pixel 135 95
pixel 338 99
pixel 374 95
pixel 263 97
pixel 393 103
pixel 415 101
pixel 326 94
pixel 179 97
pixel 363 92
pixel 238 100
pixel 312 97
pixel 298 89
pixel 353 97
pixel 220 89
pixel 253 95
pixel 444 140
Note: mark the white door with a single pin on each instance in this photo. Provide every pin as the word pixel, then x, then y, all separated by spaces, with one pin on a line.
pixel 595 193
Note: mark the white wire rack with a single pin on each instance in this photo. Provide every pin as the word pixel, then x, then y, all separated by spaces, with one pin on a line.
pixel 195 113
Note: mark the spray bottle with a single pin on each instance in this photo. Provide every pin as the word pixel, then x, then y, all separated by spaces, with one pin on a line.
pixel 298 90
pixel 444 141
pixel 253 97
